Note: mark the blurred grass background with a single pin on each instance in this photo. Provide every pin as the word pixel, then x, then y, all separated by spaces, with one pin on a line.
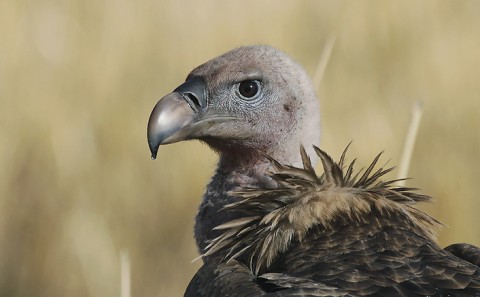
pixel 78 80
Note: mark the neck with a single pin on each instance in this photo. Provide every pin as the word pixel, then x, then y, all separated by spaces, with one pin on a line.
pixel 235 170
pixel 238 168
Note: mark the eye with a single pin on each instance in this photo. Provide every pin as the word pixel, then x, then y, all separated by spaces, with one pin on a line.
pixel 248 88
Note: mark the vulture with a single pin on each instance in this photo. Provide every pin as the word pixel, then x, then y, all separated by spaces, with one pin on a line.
pixel 268 224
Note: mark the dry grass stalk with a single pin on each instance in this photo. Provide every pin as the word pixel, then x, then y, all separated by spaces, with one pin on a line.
pixel 323 61
pixel 416 117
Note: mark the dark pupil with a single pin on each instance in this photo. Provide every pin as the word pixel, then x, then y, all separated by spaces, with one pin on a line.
pixel 248 88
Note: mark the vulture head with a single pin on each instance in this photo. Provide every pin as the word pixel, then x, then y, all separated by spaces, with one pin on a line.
pixel 249 103
pixel 253 99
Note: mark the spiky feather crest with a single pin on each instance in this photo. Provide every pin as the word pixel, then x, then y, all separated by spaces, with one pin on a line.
pixel 273 218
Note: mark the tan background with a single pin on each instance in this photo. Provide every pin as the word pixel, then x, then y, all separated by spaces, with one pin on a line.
pixel 79 78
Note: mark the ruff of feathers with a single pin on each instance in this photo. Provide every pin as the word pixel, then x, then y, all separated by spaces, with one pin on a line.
pixel 273 218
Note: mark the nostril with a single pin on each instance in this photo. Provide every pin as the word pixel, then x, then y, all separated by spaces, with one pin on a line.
pixel 194 91
pixel 193 99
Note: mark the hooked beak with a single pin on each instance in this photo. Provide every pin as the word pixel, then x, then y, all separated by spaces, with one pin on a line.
pixel 180 115
pixel 174 113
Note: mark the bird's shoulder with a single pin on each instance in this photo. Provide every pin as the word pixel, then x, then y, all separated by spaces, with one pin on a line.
pixel 348 231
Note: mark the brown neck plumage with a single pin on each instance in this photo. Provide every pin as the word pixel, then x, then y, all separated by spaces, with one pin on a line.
pixel 272 218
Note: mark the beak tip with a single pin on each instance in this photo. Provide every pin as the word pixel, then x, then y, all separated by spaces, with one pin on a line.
pixel 153 149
